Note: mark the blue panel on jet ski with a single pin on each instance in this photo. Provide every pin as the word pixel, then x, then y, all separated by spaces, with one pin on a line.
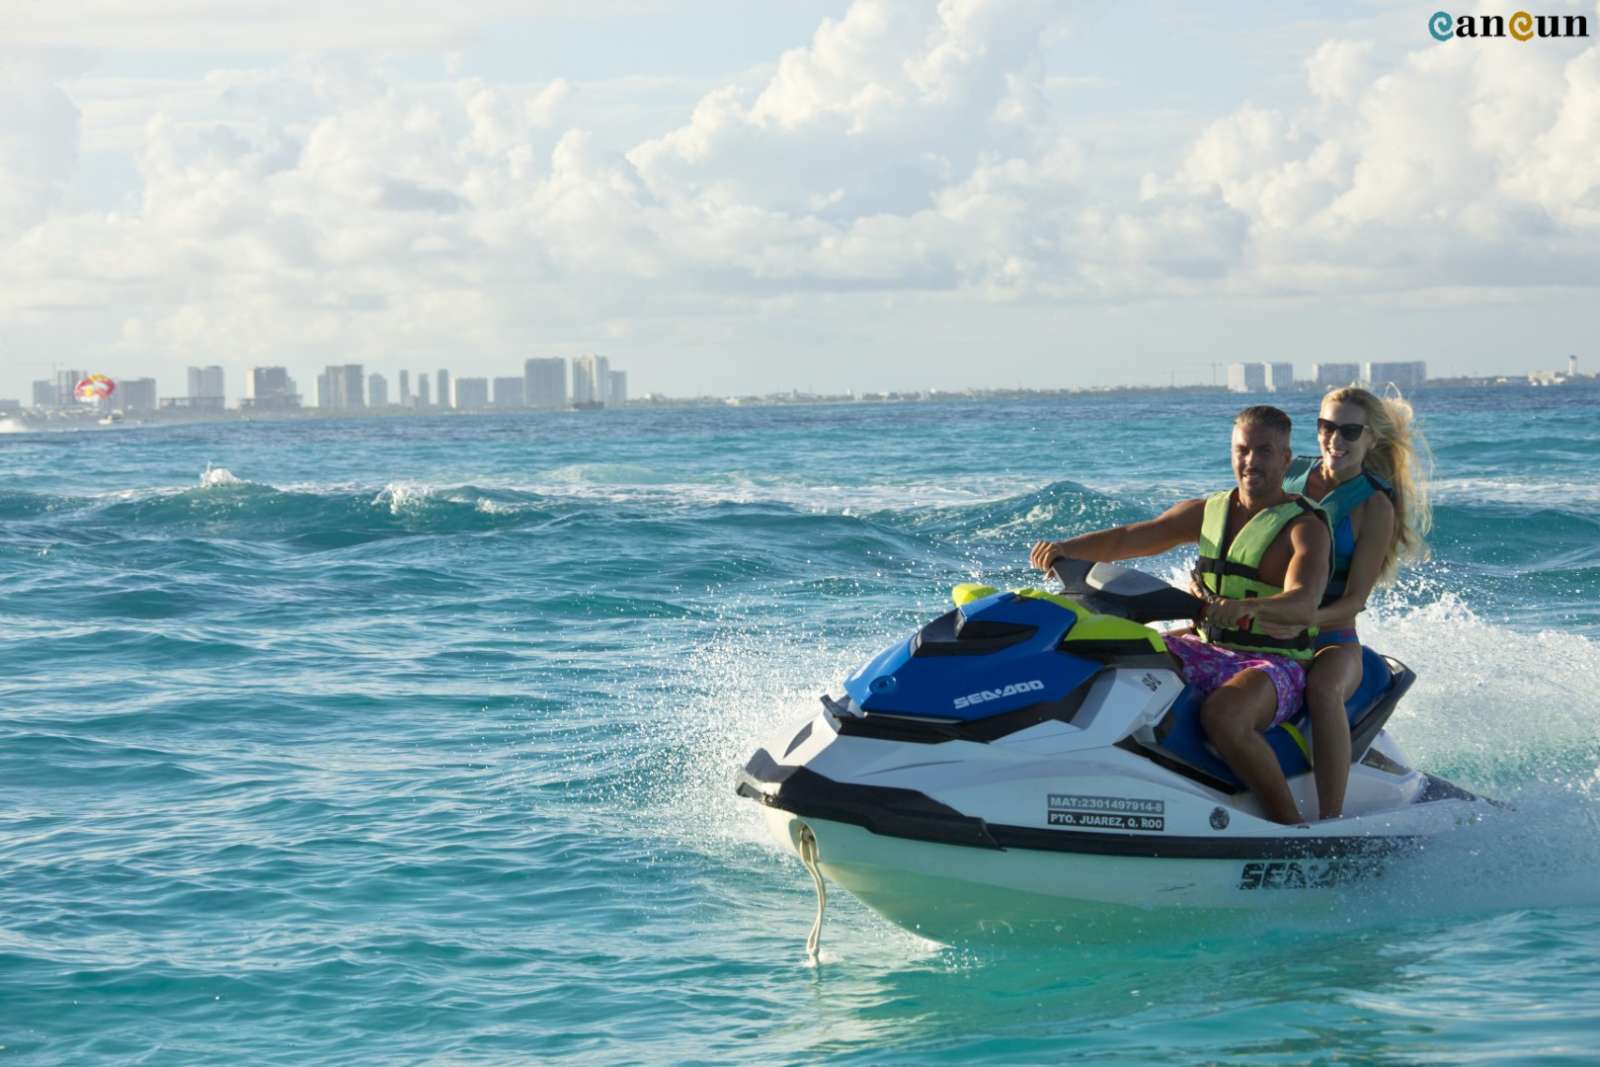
pixel 975 673
pixel 1186 738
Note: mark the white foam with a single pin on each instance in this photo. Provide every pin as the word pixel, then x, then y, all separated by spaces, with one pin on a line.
pixel 400 497
pixel 624 483
pixel 494 507
pixel 215 476
pixel 569 484
pixel 1037 517
pixel 1488 695
pixel 1528 492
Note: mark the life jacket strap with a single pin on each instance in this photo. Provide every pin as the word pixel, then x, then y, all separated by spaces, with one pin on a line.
pixel 1213 565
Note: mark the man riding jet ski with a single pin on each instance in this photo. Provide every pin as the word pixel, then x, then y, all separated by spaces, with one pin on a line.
pixel 1033 758
pixel 1264 557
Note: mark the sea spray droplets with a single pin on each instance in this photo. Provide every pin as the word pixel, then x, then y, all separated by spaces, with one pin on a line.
pixel 215 476
pixel 1494 704
pixel 401 497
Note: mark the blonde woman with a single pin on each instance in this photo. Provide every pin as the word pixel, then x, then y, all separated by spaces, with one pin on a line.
pixel 1369 479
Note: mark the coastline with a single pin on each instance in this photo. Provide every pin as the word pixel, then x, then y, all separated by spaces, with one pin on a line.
pixel 34 420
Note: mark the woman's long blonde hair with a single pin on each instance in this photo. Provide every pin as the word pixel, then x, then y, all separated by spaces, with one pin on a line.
pixel 1400 456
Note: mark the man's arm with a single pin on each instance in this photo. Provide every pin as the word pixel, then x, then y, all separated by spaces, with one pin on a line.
pixel 1304 582
pixel 1179 524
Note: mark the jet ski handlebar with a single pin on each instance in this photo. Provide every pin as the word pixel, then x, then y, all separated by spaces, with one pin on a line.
pixel 1122 591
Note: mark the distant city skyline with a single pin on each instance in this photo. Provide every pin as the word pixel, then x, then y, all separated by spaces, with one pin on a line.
pixel 544 384
pixel 824 195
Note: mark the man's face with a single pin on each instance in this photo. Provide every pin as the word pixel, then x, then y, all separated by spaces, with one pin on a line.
pixel 1261 458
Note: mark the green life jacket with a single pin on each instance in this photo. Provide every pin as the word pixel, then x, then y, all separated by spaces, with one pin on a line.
pixel 1338 505
pixel 1237 575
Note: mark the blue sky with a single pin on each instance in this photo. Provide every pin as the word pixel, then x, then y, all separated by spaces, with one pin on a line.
pixel 728 198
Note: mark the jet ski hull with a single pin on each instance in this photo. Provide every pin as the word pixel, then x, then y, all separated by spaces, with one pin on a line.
pixel 1035 763
pixel 949 875
pixel 949 893
pixel 946 894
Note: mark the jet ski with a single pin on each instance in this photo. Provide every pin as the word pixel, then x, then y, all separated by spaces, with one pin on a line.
pixel 1031 760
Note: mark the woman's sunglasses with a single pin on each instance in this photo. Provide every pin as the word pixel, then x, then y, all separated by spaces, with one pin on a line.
pixel 1350 431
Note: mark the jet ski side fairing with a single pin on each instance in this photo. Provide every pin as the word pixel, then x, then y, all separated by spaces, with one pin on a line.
pixel 1004 653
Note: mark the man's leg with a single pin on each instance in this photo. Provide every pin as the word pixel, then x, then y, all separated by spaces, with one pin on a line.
pixel 1234 717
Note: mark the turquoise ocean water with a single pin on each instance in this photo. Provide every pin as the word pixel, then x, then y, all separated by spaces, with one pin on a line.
pixel 414 740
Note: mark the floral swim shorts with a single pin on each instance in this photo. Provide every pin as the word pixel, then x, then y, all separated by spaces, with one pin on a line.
pixel 1207 667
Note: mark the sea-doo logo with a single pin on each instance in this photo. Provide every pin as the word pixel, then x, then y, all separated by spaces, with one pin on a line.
pixel 983 696
pixel 1306 874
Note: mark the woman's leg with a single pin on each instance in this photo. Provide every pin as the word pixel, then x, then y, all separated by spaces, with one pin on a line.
pixel 1334 675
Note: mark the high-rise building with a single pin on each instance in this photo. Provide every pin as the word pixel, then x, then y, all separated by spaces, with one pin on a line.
pixel 377 390
pixel 206 388
pixel 46 394
pixel 508 393
pixel 135 395
pixel 1403 376
pixel 422 391
pixel 1335 375
pixel 1279 377
pixel 617 389
pixel 1247 377
pixel 583 380
pixel 545 382
pixel 443 378
pixel 355 379
pixel 271 389
pixel 404 399
pixel 67 385
pixel 591 375
pixel 342 387
pixel 472 393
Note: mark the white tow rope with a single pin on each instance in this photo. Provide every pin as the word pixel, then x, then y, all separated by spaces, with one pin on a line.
pixel 808 856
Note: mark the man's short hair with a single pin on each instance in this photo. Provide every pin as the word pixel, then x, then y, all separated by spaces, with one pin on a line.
pixel 1267 417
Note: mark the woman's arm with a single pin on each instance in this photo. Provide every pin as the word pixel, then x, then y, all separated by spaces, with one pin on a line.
pixel 1373 533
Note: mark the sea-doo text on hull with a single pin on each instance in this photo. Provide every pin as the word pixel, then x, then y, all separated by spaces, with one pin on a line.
pixel 1030 758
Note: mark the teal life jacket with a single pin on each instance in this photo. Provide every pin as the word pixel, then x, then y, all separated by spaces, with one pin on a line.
pixel 1338 506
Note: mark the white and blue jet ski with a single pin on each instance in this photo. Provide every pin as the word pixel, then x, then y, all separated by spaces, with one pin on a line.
pixel 1030 758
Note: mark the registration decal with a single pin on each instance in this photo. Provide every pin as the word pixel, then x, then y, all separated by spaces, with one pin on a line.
pixel 1106 813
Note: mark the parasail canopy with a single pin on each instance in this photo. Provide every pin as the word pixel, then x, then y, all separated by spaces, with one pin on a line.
pixel 94 388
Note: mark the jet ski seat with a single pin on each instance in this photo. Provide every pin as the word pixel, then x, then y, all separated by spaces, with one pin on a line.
pixel 1182 738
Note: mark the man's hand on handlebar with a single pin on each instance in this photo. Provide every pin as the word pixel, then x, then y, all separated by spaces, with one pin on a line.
pixel 1045 553
pixel 1226 614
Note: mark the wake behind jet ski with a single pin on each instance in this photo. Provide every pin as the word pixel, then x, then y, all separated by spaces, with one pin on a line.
pixel 1036 759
